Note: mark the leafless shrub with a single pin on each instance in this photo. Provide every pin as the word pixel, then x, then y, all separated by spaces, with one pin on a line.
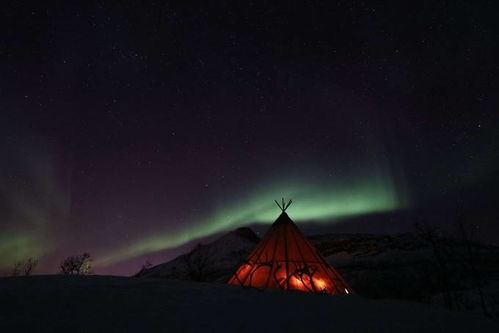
pixel 466 259
pixel 147 265
pixel 433 236
pixel 77 265
pixel 16 270
pixel 472 259
pixel 198 261
pixel 25 267
pixel 29 266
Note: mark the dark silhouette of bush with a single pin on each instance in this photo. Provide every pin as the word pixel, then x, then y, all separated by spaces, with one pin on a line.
pixel 25 268
pixel 198 262
pixel 147 265
pixel 77 265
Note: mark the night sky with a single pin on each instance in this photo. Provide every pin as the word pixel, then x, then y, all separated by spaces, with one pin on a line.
pixel 130 130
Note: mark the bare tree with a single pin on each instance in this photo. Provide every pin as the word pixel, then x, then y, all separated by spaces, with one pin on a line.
pixel 472 259
pixel 147 265
pixel 77 265
pixel 25 267
pixel 29 266
pixel 432 235
pixel 198 261
pixel 16 270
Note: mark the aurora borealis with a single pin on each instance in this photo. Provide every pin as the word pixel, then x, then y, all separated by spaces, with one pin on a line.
pixel 317 202
pixel 131 130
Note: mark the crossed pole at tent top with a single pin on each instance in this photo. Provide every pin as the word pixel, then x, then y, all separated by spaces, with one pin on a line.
pixel 282 205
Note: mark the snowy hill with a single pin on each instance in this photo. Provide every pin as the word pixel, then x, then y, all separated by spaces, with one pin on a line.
pixel 405 266
pixel 120 304
pixel 376 266
pixel 210 262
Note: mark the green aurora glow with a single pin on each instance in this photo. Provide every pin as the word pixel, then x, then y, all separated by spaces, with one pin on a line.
pixel 320 201
pixel 20 246
pixel 32 209
pixel 39 211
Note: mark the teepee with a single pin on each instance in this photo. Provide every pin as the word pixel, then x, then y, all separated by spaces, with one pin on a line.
pixel 286 259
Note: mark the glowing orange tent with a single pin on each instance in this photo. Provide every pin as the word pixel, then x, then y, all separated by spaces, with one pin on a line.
pixel 286 259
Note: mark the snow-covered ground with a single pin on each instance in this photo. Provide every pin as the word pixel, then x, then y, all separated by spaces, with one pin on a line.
pixel 120 304
pixel 376 266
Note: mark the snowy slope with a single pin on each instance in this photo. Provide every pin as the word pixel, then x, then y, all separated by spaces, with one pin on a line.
pixel 119 304
pixel 377 266
pixel 208 262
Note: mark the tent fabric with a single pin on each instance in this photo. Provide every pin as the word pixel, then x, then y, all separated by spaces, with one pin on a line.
pixel 286 259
